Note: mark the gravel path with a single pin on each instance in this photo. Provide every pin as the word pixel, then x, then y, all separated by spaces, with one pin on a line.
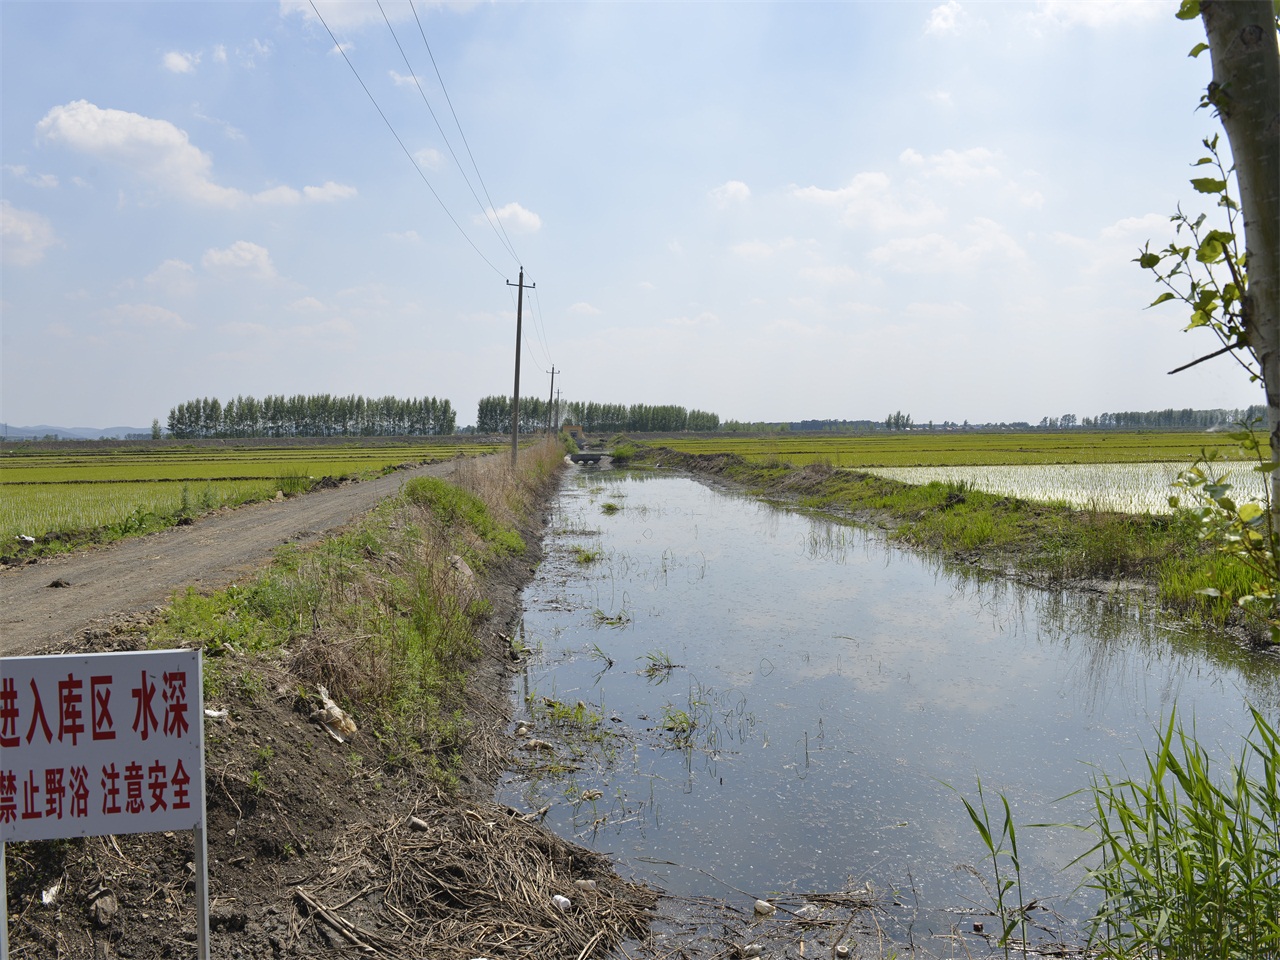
pixel 133 576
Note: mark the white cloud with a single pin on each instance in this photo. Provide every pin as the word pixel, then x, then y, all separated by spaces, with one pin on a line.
pixel 44 181
pixel 241 256
pixel 344 15
pixel 941 97
pixel 704 319
pixel 220 54
pixel 517 218
pixel 944 19
pixel 329 192
pixel 730 193
pixel 428 157
pixel 174 276
pixel 983 242
pixel 402 79
pixel 161 154
pixel 1098 14
pixel 868 201
pixel 231 132
pixel 147 315
pixel 676 247
pixel 752 250
pixel 408 236
pixel 24 235
pixel 831 273
pixel 954 166
pixel 584 309
pixel 155 149
pixel 307 304
pixel 176 61
pixel 1153 224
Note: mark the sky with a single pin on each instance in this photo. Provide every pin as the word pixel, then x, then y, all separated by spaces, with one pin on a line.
pixel 770 211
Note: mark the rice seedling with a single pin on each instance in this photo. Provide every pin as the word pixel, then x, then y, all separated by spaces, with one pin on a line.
pixel 1116 487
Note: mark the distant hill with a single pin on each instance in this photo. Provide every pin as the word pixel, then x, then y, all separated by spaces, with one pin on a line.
pixel 42 430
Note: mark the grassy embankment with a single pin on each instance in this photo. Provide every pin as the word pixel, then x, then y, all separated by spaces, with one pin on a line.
pixel 1047 543
pixel 384 615
pixel 69 494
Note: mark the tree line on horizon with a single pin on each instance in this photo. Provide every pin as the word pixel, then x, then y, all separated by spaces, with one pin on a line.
pixel 314 415
pixel 493 415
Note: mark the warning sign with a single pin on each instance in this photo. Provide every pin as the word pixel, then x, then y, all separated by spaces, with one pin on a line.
pixel 100 744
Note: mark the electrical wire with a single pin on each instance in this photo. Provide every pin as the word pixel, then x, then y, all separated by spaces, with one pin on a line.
pixel 416 166
pixel 458 124
pixel 489 213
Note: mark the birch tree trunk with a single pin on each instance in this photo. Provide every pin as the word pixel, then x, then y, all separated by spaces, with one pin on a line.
pixel 1246 93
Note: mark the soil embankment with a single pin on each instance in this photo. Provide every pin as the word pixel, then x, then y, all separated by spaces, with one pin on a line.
pixel 316 848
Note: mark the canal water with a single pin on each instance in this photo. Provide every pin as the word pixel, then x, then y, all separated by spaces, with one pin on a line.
pixel 747 701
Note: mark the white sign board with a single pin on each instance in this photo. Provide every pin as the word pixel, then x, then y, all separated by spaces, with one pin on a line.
pixel 100 744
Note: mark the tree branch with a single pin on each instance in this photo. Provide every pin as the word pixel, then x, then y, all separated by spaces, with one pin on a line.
pixel 1209 356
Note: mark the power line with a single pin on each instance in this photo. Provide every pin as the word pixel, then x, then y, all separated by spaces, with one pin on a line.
pixel 489 213
pixel 416 167
pixel 540 326
pixel 458 124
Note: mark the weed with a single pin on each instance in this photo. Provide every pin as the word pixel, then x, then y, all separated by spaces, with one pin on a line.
pixel 658 665
pixel 1006 867
pixel 602 619
pixel 610 508
pixel 585 556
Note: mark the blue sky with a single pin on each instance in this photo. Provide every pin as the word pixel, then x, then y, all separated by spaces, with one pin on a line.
pixel 770 211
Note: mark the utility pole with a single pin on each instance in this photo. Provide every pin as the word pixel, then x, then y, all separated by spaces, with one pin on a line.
pixel 551 397
pixel 515 395
pixel 557 407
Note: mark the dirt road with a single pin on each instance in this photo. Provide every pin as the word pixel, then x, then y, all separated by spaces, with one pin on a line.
pixel 105 584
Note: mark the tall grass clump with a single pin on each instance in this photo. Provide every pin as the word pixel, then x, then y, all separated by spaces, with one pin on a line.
pixel 1190 862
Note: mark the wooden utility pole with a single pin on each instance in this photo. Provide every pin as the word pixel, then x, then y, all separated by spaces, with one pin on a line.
pixel 551 397
pixel 515 395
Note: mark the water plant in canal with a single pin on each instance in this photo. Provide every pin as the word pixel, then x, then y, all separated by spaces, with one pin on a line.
pixel 586 556
pixel 602 619
pixel 658 665
pixel 1006 868
pixel 610 507
pixel 677 721
pixel 1190 863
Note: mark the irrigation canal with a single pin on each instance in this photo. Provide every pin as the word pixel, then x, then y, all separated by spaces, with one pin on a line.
pixel 836 690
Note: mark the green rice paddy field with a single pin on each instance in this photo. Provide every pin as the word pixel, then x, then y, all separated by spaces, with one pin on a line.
pixel 961 449
pixel 1120 472
pixel 68 489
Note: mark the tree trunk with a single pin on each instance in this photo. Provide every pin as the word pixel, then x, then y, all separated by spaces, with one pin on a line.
pixel 1246 93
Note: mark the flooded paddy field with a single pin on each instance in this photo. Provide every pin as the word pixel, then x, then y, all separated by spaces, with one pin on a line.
pixel 740 701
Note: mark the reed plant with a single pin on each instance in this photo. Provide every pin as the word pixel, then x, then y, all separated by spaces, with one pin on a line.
pixel 1189 861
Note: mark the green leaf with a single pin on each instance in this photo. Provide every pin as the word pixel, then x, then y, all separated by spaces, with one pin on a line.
pixel 1164 297
pixel 1202 161
pixel 1210 250
pixel 1209 184
pixel 1198 49
pixel 1188 10
pixel 1148 260
pixel 1248 512
pixel 1209 592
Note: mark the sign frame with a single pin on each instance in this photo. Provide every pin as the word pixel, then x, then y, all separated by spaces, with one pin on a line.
pixel 148 775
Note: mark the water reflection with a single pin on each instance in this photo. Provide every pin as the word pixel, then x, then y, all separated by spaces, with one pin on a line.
pixel 817 692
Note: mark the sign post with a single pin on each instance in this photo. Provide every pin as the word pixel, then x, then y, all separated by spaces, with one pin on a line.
pixel 99 744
